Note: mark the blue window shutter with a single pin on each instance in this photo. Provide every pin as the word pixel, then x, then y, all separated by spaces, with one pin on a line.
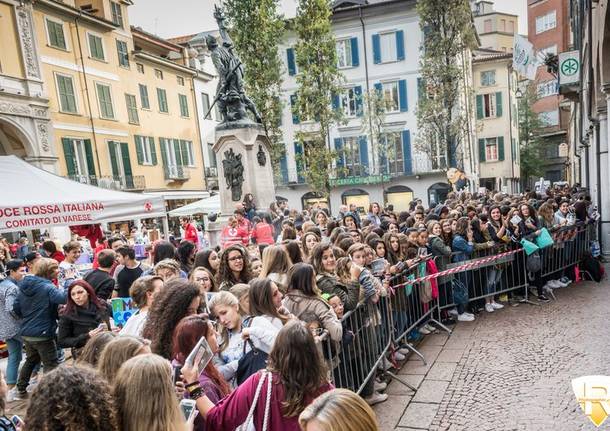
pixel 355 56
pixel 295 115
pixel 359 105
pixel 340 154
pixel 376 49
pixel 402 94
pixel 481 150
pixel 284 168
pixel 364 155
pixel 378 88
pixel 298 151
pixel 400 45
pixel 292 67
pixel 406 152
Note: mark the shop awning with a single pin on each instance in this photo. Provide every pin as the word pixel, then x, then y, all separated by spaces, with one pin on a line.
pixel 33 198
pixel 203 206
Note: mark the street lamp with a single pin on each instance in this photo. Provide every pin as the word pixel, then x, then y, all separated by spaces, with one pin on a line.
pixel 518 93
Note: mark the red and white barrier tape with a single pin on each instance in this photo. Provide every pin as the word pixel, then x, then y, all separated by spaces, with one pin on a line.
pixel 471 265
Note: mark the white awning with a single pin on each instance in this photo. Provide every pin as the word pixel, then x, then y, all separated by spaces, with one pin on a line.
pixel 203 206
pixel 36 199
pixel 169 195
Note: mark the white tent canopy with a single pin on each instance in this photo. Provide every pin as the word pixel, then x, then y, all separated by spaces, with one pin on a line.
pixel 36 199
pixel 202 206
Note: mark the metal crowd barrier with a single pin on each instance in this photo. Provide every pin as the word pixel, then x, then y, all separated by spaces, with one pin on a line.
pixel 372 331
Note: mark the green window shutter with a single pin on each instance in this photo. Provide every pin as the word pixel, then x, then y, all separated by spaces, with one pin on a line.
pixel 479 107
pixel 89 156
pixel 163 146
pixel 499 104
pixel 132 109
pixel 69 155
pixel 481 150
pixel 144 102
pixel 126 160
pixel 67 100
pixel 501 148
pixel 56 34
pixel 105 99
pixel 184 152
pixel 177 152
pixel 162 96
pixel 139 151
pixel 153 151
pixel 184 107
pixel 113 161
pixel 123 53
pixel 95 47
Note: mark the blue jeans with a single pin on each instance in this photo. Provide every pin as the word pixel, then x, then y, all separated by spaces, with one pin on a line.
pixel 15 348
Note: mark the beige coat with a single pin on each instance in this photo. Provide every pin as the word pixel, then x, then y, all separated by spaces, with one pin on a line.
pixel 298 303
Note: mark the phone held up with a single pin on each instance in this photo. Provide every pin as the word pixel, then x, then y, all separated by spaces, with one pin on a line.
pixel 188 408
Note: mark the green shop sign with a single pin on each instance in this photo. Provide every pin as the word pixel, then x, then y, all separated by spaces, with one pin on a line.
pixel 353 181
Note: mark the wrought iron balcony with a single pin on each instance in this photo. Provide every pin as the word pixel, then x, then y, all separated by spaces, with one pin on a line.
pixel 112 182
pixel 176 173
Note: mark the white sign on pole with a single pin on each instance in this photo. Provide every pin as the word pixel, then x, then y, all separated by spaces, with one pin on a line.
pixel 569 67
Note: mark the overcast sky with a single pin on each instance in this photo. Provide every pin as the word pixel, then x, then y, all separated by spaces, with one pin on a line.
pixel 180 17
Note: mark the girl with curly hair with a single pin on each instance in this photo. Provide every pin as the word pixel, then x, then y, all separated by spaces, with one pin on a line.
pixel 298 376
pixel 145 398
pixel 53 403
pixel 179 298
pixel 234 267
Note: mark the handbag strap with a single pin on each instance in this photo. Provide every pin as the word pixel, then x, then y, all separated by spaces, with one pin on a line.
pixel 268 402
pixel 255 400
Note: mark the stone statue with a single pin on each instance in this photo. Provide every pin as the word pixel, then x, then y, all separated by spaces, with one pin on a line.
pixel 260 156
pixel 230 96
pixel 234 173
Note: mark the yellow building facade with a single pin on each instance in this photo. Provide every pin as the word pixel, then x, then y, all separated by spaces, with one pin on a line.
pixel 121 100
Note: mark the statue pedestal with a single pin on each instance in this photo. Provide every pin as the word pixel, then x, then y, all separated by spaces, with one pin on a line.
pixel 247 169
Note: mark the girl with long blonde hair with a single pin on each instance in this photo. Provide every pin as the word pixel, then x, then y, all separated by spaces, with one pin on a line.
pixel 145 397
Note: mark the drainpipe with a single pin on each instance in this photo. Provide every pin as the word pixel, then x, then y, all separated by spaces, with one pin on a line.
pixel 510 127
pixel 82 63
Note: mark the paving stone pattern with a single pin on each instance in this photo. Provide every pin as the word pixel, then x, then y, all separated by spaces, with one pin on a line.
pixel 510 370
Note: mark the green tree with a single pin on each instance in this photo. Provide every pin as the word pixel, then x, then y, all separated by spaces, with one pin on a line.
pixel 532 148
pixel 373 124
pixel 441 116
pixel 318 81
pixel 256 30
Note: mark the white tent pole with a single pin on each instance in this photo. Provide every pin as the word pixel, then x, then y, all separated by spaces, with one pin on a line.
pixel 166 227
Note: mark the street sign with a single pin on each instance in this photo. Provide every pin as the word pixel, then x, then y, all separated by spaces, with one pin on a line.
pixel 569 67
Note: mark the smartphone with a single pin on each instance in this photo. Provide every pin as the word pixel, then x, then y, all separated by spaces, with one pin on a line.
pixel 17 421
pixel 378 265
pixel 515 220
pixel 200 356
pixel 102 326
pixel 188 408
pixel 176 373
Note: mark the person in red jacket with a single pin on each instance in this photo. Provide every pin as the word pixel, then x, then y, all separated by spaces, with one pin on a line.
pixel 190 232
pixel 50 248
pixel 263 231
pixel 233 234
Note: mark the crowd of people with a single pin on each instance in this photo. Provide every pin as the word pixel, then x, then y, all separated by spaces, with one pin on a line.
pixel 280 282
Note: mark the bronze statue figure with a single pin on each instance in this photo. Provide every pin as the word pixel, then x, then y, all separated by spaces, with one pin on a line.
pixel 234 173
pixel 261 157
pixel 230 95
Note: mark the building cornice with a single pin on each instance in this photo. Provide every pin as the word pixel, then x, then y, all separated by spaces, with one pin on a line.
pixel 75 13
pixel 164 62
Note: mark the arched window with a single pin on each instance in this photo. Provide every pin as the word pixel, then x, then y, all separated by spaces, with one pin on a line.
pixel 399 196
pixel 313 199
pixel 357 197
pixel 438 192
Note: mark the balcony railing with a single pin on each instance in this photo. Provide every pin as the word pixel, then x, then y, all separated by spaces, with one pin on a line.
pixel 179 173
pixel 211 172
pixel 112 182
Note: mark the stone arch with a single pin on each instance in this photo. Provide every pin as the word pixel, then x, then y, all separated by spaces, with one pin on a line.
pixel 11 134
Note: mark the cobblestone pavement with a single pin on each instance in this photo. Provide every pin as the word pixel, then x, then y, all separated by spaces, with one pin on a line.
pixel 510 370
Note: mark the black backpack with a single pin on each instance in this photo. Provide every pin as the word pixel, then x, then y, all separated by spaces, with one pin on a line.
pixel 592 266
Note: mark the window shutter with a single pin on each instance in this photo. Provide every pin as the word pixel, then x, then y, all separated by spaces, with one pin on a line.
pixel 163 147
pixel 113 161
pixel 376 49
pixel 406 152
pixel 126 165
pixel 284 168
pixel 340 154
pixel 400 45
pixel 177 152
pixel 499 104
pixel 69 154
pixel 378 88
pixel 358 93
pixel 139 149
pixel 336 102
pixel 292 67
pixel 298 152
pixel 402 95
pixel 481 150
pixel 479 107
pixel 295 114
pixel 153 150
pixel 355 56
pixel 501 148
pixel 89 156
pixel 364 154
